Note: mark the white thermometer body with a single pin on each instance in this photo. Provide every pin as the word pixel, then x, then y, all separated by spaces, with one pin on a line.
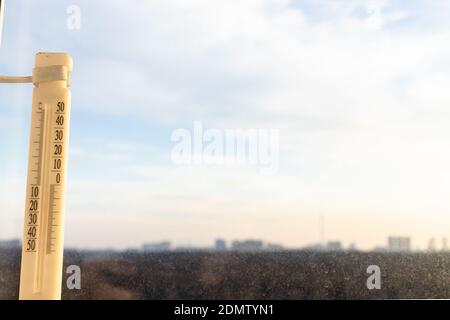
pixel 42 251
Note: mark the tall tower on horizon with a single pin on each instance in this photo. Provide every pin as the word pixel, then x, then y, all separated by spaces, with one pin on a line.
pixel 322 229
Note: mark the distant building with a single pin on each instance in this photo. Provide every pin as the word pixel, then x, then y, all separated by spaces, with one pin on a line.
pixel 274 247
pixel 247 245
pixel 352 247
pixel 10 244
pixel 444 244
pixel 313 247
pixel 189 248
pixel 333 246
pixel 329 246
pixel 379 249
pixel 399 244
pixel 157 247
pixel 432 245
pixel 220 245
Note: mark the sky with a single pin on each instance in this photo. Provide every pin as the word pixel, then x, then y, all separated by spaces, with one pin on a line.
pixel 356 89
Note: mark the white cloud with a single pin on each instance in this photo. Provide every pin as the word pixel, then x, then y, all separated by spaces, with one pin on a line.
pixel 247 63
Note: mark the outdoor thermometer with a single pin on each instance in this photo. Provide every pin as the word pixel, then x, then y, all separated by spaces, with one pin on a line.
pixel 42 242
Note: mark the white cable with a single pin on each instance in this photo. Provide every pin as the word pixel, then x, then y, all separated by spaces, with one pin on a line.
pixel 4 79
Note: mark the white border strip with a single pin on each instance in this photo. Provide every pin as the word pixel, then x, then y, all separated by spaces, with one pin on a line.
pixel 2 6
